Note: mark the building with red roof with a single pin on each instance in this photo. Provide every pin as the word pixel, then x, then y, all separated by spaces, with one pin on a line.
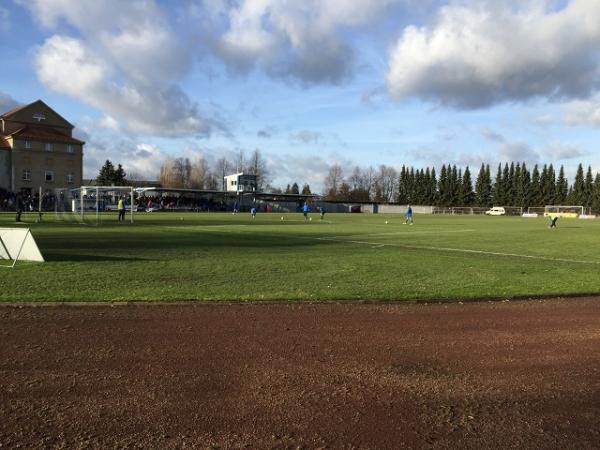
pixel 37 149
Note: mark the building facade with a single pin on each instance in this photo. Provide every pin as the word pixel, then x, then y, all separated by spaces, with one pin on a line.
pixel 240 182
pixel 38 150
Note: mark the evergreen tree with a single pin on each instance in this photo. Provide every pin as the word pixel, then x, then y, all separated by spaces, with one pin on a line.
pixel 595 203
pixel 119 177
pixel 433 194
pixel 483 187
pixel 509 184
pixel 498 190
pixel 467 194
pixel 295 189
pixel 548 185
pixel 106 175
pixel 562 187
pixel 306 190
pixel 588 188
pixel 577 194
pixel 517 186
pixel 443 187
pixel 402 196
pixel 535 191
pixel 525 185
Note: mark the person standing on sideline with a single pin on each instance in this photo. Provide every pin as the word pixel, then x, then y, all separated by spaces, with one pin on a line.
pixel 19 207
pixel 253 212
pixel 305 210
pixel 236 207
pixel 408 217
pixel 121 208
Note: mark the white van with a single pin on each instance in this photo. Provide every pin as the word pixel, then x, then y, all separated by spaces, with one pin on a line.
pixel 496 211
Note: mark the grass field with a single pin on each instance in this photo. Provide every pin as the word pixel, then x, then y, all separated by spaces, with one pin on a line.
pixel 219 256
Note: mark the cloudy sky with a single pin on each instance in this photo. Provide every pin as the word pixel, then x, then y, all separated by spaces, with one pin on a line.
pixel 314 82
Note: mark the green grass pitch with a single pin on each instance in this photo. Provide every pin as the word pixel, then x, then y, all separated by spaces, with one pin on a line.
pixel 220 256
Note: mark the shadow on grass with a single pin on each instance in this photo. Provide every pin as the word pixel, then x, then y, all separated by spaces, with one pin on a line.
pixel 74 257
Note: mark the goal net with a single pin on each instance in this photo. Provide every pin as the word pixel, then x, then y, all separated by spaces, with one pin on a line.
pixel 563 211
pixel 18 244
pixel 94 205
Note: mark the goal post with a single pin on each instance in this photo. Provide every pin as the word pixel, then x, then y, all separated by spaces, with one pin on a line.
pixel 18 244
pixel 93 204
pixel 569 211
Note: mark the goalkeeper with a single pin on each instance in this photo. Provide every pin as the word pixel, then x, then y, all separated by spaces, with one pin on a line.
pixel 553 220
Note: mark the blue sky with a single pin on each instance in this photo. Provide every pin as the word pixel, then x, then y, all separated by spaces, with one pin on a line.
pixel 312 83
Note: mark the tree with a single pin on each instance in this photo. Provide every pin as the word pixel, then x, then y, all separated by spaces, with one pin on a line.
pixel 306 190
pixel 344 192
pixel 222 169
pixel 596 194
pixel 562 187
pixel 588 185
pixel 535 192
pixel 106 175
pixel 577 194
pixel 198 174
pixel 333 181
pixel 467 195
pixel 295 189
pixel 258 166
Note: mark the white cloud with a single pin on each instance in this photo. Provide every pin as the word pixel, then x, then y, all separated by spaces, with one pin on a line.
pixel 68 66
pixel 126 61
pixel 477 53
pixel 583 112
pixel 300 40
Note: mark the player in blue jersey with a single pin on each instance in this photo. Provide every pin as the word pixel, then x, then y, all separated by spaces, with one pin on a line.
pixel 408 216
pixel 305 210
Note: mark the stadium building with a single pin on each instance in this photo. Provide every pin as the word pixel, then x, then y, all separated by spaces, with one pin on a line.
pixel 37 149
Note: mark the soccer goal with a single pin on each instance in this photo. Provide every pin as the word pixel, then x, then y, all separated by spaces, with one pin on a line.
pixel 18 244
pixel 93 205
pixel 564 211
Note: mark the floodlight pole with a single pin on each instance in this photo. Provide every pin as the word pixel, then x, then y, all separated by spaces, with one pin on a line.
pixel 81 202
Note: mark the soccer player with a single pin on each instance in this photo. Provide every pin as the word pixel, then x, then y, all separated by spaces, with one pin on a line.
pixel 322 211
pixel 253 212
pixel 552 220
pixel 408 217
pixel 305 210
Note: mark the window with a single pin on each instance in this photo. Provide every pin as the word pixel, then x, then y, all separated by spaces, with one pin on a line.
pixel 26 174
pixel 27 144
pixel 49 176
pixel 70 149
pixel 69 178
pixel 48 147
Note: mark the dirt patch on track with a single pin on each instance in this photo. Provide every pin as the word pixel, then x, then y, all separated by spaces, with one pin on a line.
pixel 480 375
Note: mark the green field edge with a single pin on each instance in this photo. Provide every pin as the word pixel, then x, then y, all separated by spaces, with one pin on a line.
pixel 203 302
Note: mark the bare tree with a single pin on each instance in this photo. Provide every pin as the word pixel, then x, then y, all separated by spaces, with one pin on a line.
pixel 333 181
pixel 258 166
pixel 240 161
pixel 198 173
pixel 222 168
pixel 387 179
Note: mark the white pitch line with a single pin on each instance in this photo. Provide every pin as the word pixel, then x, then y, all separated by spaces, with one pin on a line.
pixel 461 250
pixel 406 233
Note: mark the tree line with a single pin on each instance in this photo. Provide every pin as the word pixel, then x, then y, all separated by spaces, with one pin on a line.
pixel 514 184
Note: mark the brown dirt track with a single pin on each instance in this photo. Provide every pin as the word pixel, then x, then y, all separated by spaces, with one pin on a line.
pixel 522 374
